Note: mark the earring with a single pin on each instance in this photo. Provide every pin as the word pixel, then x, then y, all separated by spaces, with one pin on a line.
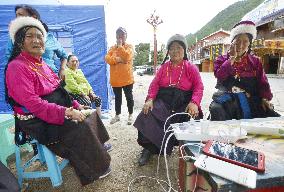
pixel 20 46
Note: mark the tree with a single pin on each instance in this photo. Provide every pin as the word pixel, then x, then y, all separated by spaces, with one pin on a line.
pixel 141 56
pixel 160 57
pixel 161 54
pixel 142 51
pixel 226 19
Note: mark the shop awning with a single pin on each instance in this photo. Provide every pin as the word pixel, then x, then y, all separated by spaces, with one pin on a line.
pixel 266 12
pixel 263 47
pixel 274 44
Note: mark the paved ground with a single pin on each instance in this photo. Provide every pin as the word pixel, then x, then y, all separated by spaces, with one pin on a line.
pixel 126 151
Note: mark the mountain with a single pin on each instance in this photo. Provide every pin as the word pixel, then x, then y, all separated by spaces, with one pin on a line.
pixel 226 19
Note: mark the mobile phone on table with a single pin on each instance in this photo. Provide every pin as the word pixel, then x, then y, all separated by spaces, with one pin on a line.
pixel 237 155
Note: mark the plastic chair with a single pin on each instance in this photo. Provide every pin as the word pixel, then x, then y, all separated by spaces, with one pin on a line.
pixel 45 156
pixel 7 143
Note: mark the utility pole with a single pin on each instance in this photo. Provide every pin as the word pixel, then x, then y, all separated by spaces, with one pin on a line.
pixel 155 20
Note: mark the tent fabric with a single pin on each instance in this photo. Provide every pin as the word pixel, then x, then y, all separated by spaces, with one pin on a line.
pixel 82 31
pixel 30 2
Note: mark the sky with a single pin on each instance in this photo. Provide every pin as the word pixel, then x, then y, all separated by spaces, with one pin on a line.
pixel 179 16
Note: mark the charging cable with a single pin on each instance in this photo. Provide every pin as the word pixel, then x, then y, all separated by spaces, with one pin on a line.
pixel 185 158
pixel 159 181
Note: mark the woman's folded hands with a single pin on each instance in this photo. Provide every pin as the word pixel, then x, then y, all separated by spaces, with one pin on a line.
pixel 266 105
pixel 74 114
pixel 192 109
pixel 148 106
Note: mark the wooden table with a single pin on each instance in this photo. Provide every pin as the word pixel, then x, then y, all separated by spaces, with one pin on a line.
pixel 271 180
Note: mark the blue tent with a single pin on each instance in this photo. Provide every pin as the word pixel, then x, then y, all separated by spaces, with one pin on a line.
pixel 80 29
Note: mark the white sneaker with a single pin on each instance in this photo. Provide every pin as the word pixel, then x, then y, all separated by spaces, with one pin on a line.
pixel 115 119
pixel 129 121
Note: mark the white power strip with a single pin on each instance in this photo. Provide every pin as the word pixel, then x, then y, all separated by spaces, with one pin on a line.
pixel 238 174
pixel 205 130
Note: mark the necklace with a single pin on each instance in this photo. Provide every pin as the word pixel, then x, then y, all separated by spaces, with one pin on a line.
pixel 170 72
pixel 37 68
pixel 239 67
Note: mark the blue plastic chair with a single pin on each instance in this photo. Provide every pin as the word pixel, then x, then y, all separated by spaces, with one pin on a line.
pixel 7 143
pixel 45 156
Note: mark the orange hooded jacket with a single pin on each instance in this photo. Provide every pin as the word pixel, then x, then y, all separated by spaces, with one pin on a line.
pixel 121 74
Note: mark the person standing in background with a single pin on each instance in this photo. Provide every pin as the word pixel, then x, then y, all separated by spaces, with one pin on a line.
pixel 52 46
pixel 120 59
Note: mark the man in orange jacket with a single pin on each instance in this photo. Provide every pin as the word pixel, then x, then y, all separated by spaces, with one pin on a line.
pixel 120 59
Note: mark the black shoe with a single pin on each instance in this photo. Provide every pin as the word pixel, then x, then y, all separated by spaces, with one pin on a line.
pixel 144 158
pixel 35 149
pixel 108 171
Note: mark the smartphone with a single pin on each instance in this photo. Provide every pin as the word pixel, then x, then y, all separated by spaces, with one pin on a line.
pixel 237 155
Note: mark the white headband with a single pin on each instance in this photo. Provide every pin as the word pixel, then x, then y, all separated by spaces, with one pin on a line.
pixel 21 22
pixel 242 28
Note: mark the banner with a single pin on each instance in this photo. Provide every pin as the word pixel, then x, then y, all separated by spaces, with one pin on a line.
pixel 261 13
pixel 274 44
pixel 215 51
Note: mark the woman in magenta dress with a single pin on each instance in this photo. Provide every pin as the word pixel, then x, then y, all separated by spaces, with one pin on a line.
pixel 44 110
pixel 176 87
pixel 243 88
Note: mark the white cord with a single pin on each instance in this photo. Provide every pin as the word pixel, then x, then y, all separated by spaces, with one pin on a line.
pixel 190 144
pixel 165 147
pixel 166 163
pixel 166 131
pixel 192 157
pixel 158 165
pixel 181 113
pixel 153 178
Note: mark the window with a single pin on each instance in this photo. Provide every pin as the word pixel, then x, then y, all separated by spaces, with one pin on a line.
pixel 64 35
pixel 66 40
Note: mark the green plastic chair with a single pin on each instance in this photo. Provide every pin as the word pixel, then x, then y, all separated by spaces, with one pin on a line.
pixel 7 143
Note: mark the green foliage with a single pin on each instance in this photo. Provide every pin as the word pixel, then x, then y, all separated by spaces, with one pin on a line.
pixel 141 56
pixel 160 57
pixel 226 19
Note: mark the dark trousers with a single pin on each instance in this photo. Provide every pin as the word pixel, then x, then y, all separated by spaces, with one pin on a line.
pixel 8 182
pixel 118 98
pixel 81 99
pixel 87 102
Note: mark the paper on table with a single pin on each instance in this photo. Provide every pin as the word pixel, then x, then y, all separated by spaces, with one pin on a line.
pixel 268 127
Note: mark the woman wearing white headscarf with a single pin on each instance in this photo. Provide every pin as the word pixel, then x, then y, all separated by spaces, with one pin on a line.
pixel 44 110
pixel 243 89
pixel 176 87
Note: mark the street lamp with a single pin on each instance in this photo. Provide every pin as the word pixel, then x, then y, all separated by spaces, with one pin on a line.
pixel 155 20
